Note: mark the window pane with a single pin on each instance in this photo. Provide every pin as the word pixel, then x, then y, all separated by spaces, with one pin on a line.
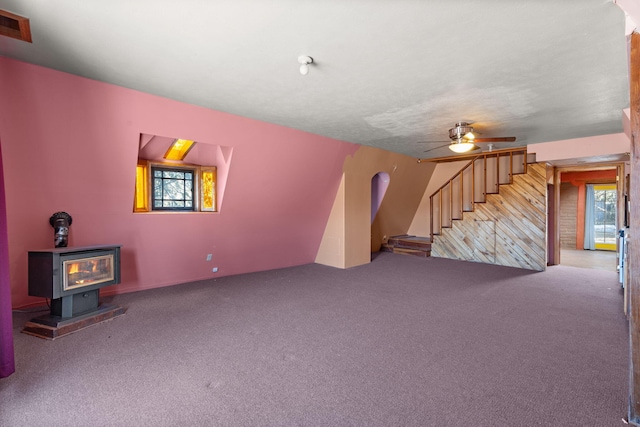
pixel 207 182
pixel 173 189
pixel 605 216
pixel 142 191
pixel 157 188
pixel 173 175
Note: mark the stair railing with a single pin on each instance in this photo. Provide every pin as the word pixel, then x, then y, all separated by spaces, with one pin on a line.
pixel 479 180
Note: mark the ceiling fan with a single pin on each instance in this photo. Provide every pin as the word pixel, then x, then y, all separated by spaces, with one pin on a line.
pixel 463 139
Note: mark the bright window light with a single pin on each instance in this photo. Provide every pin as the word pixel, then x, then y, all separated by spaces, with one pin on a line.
pixel 179 149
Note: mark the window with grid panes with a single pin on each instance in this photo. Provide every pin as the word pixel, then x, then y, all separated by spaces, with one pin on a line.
pixel 172 188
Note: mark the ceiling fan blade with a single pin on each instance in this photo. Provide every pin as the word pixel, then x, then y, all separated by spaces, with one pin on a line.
pixel 499 139
pixel 437 148
pixel 504 139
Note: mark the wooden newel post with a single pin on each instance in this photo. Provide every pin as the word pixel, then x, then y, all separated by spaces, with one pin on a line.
pixel 634 233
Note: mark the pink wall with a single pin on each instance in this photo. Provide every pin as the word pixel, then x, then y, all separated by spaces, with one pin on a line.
pixel 71 144
pixel 592 146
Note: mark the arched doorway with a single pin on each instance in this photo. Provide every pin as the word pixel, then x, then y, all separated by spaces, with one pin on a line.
pixel 379 185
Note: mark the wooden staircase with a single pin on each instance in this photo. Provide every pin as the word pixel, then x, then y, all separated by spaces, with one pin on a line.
pixel 493 211
pixel 408 245
pixel 481 176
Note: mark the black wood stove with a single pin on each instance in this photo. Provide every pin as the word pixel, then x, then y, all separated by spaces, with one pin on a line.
pixel 72 277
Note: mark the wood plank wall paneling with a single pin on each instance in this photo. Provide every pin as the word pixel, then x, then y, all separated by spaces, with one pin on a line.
pixel 568 213
pixel 508 229
pixel 634 239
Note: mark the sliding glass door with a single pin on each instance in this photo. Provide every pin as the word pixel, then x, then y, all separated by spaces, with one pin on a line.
pixel 604 217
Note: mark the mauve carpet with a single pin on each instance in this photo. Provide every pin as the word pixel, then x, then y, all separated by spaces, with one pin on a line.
pixel 402 341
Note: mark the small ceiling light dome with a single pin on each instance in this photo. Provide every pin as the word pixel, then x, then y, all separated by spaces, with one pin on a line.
pixel 461 147
pixel 304 61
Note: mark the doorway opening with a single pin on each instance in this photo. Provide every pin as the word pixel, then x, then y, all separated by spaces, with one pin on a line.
pixel 379 185
pixel 588 216
pixel 602 228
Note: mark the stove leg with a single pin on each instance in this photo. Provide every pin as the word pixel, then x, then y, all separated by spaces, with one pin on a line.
pixel 73 305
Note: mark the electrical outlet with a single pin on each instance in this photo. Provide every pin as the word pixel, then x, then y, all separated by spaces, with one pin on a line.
pixel 209 257
pixel 214 269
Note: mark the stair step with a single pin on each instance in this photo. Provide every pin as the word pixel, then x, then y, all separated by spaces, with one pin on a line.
pixel 414 252
pixel 399 237
pixel 408 245
pixel 410 242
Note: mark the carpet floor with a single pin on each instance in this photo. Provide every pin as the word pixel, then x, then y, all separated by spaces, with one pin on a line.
pixel 402 341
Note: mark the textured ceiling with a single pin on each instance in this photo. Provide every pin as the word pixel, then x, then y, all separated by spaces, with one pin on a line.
pixel 390 74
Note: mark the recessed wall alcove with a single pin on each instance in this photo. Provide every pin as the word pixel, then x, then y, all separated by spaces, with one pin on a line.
pixel 203 153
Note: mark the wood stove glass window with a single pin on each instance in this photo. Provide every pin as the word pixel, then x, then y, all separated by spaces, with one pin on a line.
pixel 173 189
pixel 87 271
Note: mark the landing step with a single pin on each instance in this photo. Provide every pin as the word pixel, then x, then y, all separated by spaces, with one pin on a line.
pixel 408 245
pixel 414 252
pixel 410 242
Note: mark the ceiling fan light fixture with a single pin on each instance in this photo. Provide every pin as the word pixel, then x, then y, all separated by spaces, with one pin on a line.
pixel 461 130
pixel 461 147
